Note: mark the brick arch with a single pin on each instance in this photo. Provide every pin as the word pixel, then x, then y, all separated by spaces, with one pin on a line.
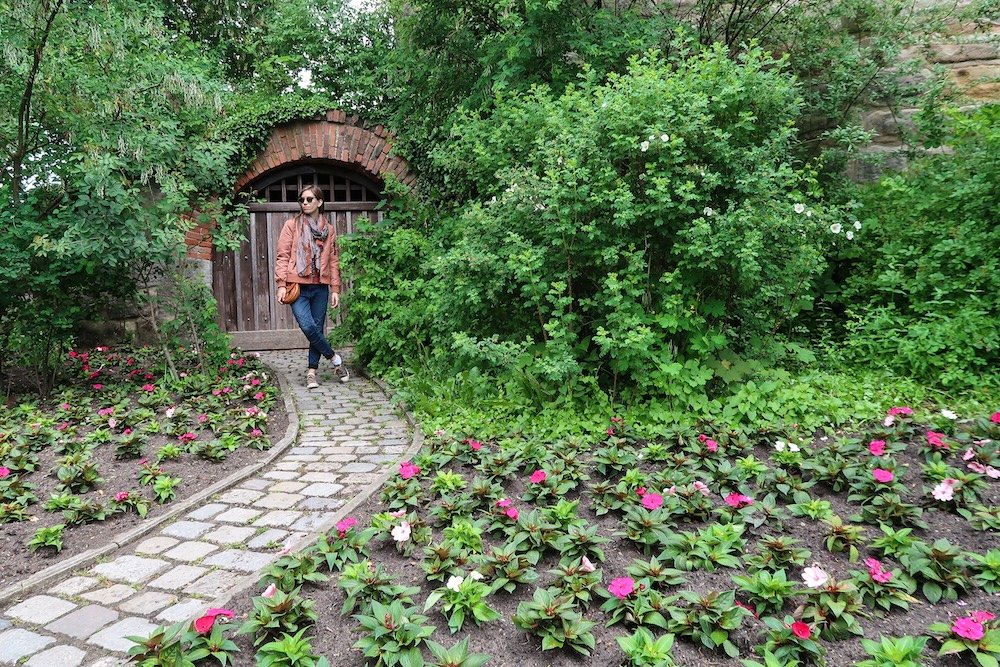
pixel 334 136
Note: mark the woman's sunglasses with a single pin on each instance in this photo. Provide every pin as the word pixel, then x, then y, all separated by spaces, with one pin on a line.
pixel 306 200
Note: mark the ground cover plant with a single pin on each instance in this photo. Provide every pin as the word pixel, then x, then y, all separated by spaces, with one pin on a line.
pixel 612 549
pixel 121 439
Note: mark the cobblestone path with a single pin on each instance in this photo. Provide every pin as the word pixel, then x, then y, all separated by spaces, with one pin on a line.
pixel 349 437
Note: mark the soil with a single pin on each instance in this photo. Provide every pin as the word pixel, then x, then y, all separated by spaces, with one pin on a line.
pixel 334 634
pixel 119 475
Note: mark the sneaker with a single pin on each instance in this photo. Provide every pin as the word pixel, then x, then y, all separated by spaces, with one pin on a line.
pixel 340 370
pixel 311 382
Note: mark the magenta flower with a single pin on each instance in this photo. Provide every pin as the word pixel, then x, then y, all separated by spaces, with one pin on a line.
pixel 408 470
pixel 882 475
pixel 259 396
pixel 981 616
pixel 4 472
pixel 538 477
pixel 187 437
pixel 995 417
pixel 97 386
pixel 738 500
pixel 202 418
pixel 652 501
pixel 512 513
pixel 641 491
pixel 610 431
pixel 876 447
pixel 104 412
pixel 504 502
pixel 621 587
pixel 205 623
pixel 712 446
pixel 148 387
pixel 62 426
pixel 121 495
pixel 256 433
pixel 801 630
pixel 345 525
pixel 968 628
pixel 876 572
pixel 936 440
pixel 475 445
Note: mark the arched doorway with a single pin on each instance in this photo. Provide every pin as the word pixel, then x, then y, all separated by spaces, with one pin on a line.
pixel 242 280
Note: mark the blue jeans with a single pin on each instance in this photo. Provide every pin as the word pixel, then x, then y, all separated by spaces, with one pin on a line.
pixel 310 312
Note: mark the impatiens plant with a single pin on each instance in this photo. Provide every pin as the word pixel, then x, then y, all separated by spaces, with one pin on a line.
pixel 977 634
pixel 706 619
pixel 580 542
pixel 47 537
pixel 289 651
pixel 986 570
pixel 843 537
pixel 456 656
pixel 579 580
pixel 657 573
pixel 633 602
pixel 392 634
pixel 831 607
pixel 940 569
pixel 463 598
pixel 367 582
pixel 649 529
pixel 981 517
pixel 344 545
pixel 881 589
pixel 443 560
pixel 792 642
pixel 765 591
pixel 293 570
pixel 777 553
pixel 278 613
pixel 553 617
pixel 165 488
pixel 714 546
pixel 507 566
pixel 642 649
pixel 894 652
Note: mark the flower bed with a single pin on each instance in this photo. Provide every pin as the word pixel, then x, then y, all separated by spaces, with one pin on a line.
pixel 119 443
pixel 691 549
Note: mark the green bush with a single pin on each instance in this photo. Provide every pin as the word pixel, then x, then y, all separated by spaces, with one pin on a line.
pixel 923 292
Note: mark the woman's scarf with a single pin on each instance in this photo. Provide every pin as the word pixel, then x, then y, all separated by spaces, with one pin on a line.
pixel 309 245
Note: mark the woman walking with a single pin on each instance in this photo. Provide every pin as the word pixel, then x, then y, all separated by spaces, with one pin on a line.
pixel 308 257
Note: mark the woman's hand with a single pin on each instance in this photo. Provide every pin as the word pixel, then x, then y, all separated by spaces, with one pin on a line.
pixel 281 294
pixel 334 299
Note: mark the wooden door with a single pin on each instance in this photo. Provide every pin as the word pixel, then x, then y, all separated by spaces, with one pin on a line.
pixel 243 280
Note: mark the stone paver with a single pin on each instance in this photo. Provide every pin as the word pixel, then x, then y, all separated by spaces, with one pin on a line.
pixel 18 643
pixel 40 609
pixel 131 569
pixel 348 436
pixel 113 637
pixel 84 621
pixel 58 656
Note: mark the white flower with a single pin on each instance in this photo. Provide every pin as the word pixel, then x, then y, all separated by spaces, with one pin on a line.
pixel 889 421
pixel 652 138
pixel 809 214
pixel 814 576
pixel 945 490
pixel 780 445
pixel 800 208
pixel 644 146
pixel 476 575
pixel 835 228
pixel 948 414
pixel 539 207
pixel 454 582
pixel 708 210
pixel 849 235
pixel 401 533
pixel 792 447
pixel 857 225
pixel 664 138
pixel 169 412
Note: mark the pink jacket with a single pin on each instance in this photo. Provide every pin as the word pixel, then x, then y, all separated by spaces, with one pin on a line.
pixel 284 265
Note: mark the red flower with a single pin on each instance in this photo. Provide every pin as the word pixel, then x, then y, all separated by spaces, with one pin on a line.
pixel 995 417
pixel 801 630
pixel 205 623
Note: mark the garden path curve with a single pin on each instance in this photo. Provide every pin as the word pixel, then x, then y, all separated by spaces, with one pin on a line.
pixel 349 439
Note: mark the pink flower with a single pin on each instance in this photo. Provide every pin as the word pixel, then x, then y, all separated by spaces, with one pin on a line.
pixel 621 587
pixel 876 572
pixel 475 445
pixel 408 470
pixel 981 616
pixel 702 437
pixel 610 431
pixel 586 565
pixel 253 412
pixel 801 630
pixel 995 417
pixel 64 406
pixel 187 437
pixel 259 396
pixel 345 525
pixel 814 577
pixel 652 501
pixel 97 386
pixel 256 433
pixel 936 440
pixel 882 475
pixel 968 628
pixel 712 446
pixel 105 412
pixel 992 472
pixel 504 502
pixel 127 431
pixel 112 423
pixel 977 467
pixel 900 411
pixel 121 495
pixel 538 477
pixel 876 447
pixel 738 500
pixel 269 591
pixel 148 387
pixel 969 454
pixel 62 426
pixel 641 491
pixel 702 488
pixel 945 490
pixel 512 513
pixel 4 472
pixel 202 418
